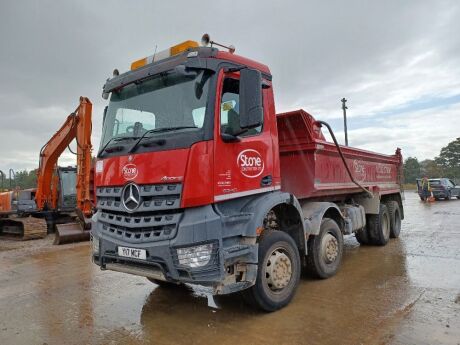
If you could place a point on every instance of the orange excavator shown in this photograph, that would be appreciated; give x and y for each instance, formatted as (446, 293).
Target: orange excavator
(63, 199)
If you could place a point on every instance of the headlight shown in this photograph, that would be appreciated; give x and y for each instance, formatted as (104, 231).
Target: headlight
(197, 256)
(95, 244)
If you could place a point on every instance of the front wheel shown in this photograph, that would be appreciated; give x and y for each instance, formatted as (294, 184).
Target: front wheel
(325, 250)
(278, 272)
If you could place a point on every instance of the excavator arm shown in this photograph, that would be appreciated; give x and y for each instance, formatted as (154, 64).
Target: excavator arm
(77, 126)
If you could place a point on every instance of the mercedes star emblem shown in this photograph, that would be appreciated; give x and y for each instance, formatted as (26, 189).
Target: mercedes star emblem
(131, 197)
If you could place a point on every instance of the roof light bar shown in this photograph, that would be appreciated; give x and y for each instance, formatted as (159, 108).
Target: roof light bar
(174, 50)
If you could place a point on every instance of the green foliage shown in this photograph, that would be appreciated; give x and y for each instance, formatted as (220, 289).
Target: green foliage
(447, 164)
(411, 169)
(22, 179)
(449, 159)
(431, 168)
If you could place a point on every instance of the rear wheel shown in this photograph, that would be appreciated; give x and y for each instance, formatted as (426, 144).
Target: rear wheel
(378, 226)
(395, 218)
(449, 195)
(325, 250)
(278, 272)
(362, 236)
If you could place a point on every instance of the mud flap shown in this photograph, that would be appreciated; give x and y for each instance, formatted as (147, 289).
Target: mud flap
(70, 232)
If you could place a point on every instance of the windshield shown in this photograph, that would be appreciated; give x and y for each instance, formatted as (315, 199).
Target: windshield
(68, 182)
(168, 100)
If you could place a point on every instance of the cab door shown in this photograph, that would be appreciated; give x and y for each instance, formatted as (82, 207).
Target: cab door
(243, 157)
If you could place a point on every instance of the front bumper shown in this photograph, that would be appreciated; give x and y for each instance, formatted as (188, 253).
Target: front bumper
(232, 265)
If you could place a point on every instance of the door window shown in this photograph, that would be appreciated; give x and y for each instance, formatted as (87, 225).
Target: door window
(230, 110)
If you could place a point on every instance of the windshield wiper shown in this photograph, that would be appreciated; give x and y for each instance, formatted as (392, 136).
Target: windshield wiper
(114, 139)
(157, 130)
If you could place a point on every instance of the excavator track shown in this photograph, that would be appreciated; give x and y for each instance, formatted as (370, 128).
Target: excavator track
(23, 228)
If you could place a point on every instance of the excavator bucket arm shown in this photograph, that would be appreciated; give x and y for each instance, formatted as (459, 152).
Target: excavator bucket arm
(77, 126)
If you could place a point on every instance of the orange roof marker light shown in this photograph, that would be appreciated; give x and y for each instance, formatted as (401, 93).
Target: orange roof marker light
(174, 50)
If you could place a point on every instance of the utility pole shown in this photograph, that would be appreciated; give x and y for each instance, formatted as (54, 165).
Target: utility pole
(344, 108)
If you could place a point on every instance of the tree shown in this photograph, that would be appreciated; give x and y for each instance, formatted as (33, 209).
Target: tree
(411, 169)
(431, 168)
(449, 159)
(23, 179)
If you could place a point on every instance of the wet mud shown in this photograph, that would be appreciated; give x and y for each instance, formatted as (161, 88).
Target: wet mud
(407, 292)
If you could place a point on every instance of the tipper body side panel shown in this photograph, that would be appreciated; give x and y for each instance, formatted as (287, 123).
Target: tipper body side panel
(312, 167)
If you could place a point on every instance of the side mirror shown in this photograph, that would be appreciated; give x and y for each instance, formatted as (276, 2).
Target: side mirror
(251, 109)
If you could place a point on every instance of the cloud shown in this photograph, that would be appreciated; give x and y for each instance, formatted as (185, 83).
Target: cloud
(382, 56)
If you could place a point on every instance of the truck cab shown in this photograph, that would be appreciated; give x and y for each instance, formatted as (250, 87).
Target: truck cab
(188, 181)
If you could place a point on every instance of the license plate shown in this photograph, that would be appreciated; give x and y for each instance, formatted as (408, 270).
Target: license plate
(132, 253)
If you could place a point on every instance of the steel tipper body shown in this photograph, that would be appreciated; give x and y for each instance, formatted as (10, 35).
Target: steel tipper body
(198, 181)
(311, 167)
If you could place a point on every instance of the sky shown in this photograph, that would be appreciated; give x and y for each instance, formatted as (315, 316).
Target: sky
(396, 62)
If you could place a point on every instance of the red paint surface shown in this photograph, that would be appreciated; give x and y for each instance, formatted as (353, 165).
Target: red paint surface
(152, 167)
(291, 149)
(312, 167)
(234, 169)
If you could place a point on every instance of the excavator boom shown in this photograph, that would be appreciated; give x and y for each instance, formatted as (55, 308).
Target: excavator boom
(32, 222)
(77, 126)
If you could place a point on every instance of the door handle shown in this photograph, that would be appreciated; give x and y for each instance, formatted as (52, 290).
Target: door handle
(266, 181)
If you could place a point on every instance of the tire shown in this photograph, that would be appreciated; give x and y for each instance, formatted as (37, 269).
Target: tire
(320, 262)
(274, 289)
(395, 218)
(378, 226)
(362, 236)
(449, 196)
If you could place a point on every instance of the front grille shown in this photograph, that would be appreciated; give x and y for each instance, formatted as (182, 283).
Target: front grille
(156, 218)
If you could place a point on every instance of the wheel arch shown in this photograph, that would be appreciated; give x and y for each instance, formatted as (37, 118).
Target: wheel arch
(287, 211)
(315, 212)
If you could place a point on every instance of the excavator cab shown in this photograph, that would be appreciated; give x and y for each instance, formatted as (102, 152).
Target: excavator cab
(63, 197)
(67, 200)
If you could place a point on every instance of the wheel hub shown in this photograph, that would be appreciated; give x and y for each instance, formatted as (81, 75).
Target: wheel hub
(278, 270)
(329, 248)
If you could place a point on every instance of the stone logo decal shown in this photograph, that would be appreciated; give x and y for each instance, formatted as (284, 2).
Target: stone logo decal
(359, 170)
(250, 163)
(129, 171)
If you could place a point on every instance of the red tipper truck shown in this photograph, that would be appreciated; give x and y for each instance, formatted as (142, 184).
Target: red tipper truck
(199, 181)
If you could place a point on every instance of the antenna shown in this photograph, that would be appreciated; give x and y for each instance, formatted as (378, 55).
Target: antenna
(156, 46)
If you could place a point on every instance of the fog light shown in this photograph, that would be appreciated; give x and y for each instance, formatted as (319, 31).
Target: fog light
(95, 244)
(197, 256)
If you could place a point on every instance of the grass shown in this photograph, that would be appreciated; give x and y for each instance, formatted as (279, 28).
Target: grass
(410, 186)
